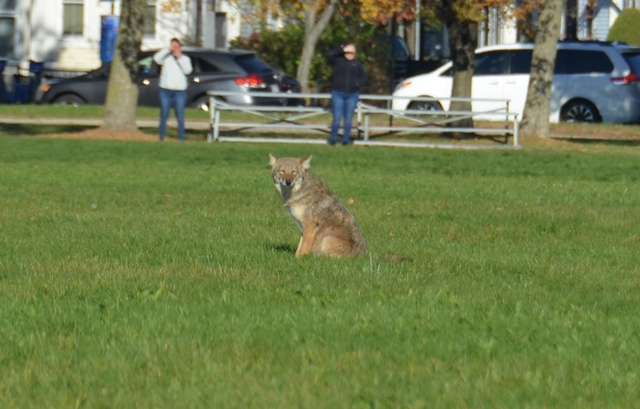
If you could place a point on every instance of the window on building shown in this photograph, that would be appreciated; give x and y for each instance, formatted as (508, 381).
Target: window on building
(73, 17)
(150, 19)
(221, 30)
(7, 5)
(7, 28)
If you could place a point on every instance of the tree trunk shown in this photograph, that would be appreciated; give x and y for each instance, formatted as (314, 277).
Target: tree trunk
(313, 30)
(122, 92)
(463, 40)
(535, 119)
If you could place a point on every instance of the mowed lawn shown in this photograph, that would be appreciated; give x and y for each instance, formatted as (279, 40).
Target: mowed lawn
(148, 275)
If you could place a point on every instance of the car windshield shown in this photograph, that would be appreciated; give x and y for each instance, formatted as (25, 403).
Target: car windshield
(633, 59)
(252, 64)
(102, 72)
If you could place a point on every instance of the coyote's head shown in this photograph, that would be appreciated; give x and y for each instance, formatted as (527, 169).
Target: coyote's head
(288, 173)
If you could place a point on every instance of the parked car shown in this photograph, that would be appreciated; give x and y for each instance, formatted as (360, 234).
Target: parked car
(593, 82)
(222, 70)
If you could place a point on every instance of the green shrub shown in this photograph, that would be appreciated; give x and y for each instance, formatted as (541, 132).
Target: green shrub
(625, 28)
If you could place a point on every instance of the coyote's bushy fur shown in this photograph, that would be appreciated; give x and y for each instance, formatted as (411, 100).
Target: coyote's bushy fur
(327, 226)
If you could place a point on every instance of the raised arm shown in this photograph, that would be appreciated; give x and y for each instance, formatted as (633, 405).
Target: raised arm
(161, 55)
(334, 54)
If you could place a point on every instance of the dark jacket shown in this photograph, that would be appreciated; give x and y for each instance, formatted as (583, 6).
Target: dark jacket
(348, 76)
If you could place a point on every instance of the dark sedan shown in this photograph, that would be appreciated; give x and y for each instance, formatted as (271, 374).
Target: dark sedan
(220, 70)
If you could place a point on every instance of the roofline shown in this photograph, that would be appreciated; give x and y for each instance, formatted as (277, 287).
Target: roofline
(561, 45)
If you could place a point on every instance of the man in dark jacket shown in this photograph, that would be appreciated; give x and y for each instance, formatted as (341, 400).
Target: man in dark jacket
(348, 77)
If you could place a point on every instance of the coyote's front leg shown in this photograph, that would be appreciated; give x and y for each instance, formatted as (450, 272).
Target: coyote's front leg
(309, 233)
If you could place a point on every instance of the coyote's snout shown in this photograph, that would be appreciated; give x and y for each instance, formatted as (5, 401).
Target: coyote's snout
(327, 226)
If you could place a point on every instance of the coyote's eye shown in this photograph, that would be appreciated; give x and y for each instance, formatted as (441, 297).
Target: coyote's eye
(281, 172)
(295, 172)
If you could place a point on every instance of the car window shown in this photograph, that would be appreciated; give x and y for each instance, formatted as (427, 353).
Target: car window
(520, 62)
(447, 73)
(491, 63)
(147, 66)
(252, 64)
(633, 59)
(100, 73)
(205, 67)
(401, 49)
(582, 62)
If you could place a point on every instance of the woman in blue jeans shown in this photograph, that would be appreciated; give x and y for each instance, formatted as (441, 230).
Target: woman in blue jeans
(348, 77)
(173, 85)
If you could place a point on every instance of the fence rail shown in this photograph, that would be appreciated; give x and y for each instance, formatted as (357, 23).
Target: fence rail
(290, 118)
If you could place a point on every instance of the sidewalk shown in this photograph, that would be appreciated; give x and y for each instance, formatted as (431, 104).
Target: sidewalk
(196, 125)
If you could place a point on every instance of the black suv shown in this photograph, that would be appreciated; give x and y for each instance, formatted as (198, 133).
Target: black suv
(219, 70)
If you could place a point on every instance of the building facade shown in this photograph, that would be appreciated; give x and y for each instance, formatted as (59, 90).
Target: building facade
(67, 34)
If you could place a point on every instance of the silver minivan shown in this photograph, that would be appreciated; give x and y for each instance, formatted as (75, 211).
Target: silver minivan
(593, 82)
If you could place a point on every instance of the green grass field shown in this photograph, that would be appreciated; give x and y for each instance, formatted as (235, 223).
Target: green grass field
(140, 275)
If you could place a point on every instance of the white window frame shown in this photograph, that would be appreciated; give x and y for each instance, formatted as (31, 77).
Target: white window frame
(11, 14)
(155, 20)
(84, 9)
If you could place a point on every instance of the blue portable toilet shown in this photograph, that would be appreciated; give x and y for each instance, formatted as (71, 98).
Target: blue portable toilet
(108, 38)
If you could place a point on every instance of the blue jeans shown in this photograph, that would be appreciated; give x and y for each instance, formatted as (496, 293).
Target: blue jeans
(177, 100)
(343, 104)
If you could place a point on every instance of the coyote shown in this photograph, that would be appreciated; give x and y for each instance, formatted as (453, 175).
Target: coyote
(327, 226)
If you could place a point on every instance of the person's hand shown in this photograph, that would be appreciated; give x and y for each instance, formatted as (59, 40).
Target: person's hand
(349, 51)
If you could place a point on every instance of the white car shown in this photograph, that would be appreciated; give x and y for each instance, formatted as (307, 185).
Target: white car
(593, 82)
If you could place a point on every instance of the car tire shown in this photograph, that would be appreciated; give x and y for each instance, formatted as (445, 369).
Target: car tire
(580, 111)
(202, 102)
(69, 99)
(425, 106)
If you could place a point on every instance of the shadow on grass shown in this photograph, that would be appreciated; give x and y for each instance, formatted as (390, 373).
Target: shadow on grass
(21, 129)
(444, 136)
(282, 248)
(611, 142)
(40, 130)
(172, 133)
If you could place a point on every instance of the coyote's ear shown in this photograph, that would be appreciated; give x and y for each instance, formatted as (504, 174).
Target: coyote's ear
(272, 160)
(306, 162)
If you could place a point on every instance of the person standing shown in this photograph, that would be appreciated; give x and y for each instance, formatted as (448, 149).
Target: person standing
(175, 67)
(348, 78)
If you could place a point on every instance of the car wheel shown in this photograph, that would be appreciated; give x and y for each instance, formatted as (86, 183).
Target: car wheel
(425, 106)
(69, 99)
(580, 111)
(202, 102)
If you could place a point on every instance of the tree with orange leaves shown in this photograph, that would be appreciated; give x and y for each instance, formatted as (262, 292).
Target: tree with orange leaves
(382, 11)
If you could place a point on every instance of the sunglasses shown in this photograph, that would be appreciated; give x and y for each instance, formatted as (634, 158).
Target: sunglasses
(349, 52)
